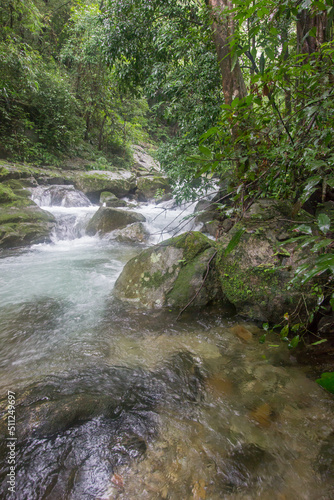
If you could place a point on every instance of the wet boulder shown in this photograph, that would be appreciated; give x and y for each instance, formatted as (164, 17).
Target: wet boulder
(173, 273)
(59, 195)
(152, 185)
(107, 219)
(134, 233)
(24, 223)
(94, 182)
(108, 199)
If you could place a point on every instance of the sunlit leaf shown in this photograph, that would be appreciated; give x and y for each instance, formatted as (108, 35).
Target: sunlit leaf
(324, 222)
(327, 381)
(294, 342)
(319, 342)
(234, 241)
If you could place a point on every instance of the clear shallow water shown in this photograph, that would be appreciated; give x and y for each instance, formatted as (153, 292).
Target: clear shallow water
(120, 403)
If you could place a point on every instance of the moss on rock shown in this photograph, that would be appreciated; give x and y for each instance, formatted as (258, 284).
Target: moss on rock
(170, 274)
(256, 279)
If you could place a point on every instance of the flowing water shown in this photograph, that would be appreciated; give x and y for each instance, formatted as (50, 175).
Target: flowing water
(118, 403)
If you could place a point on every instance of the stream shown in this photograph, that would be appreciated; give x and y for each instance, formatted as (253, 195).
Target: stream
(112, 402)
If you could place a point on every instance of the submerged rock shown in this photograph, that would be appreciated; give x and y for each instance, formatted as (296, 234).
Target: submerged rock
(171, 274)
(108, 219)
(75, 430)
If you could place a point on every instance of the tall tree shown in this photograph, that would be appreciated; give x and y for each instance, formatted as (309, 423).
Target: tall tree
(223, 27)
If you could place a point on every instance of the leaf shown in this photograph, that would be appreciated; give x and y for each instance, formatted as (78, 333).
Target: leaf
(319, 342)
(235, 102)
(332, 303)
(262, 339)
(204, 150)
(324, 223)
(270, 53)
(234, 241)
(284, 332)
(321, 244)
(304, 229)
(209, 133)
(294, 342)
(310, 187)
(327, 381)
(262, 64)
(234, 61)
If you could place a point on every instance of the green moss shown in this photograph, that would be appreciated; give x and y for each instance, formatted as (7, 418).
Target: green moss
(154, 280)
(193, 243)
(6, 194)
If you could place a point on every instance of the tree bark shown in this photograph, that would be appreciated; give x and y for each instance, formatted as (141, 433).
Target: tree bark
(307, 44)
(223, 29)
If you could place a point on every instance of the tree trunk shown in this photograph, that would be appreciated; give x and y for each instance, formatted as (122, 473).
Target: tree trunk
(307, 44)
(101, 132)
(223, 29)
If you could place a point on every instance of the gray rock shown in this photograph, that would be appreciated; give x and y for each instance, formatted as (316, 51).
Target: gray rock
(171, 274)
(149, 186)
(108, 219)
(134, 233)
(94, 182)
(143, 161)
(110, 200)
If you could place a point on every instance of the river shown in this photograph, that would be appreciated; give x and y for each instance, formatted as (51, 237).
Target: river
(117, 403)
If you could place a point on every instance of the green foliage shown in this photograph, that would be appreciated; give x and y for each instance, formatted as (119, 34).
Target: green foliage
(57, 95)
(327, 381)
(165, 48)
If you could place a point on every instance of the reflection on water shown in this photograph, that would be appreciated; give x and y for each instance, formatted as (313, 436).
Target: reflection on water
(114, 403)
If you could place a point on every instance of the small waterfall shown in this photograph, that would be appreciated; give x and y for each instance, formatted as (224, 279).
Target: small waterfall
(71, 222)
(71, 208)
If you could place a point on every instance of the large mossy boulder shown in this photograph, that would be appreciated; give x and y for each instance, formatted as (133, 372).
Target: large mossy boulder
(94, 182)
(151, 185)
(24, 223)
(256, 275)
(107, 219)
(171, 274)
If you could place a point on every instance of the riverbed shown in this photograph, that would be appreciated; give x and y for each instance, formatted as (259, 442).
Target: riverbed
(118, 403)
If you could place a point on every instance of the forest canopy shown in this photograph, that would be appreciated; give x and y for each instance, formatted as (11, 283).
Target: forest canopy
(240, 89)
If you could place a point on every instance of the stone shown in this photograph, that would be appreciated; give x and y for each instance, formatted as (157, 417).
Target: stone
(134, 233)
(24, 223)
(110, 200)
(261, 415)
(94, 182)
(143, 161)
(255, 276)
(149, 186)
(108, 219)
(171, 274)
(59, 195)
(242, 332)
